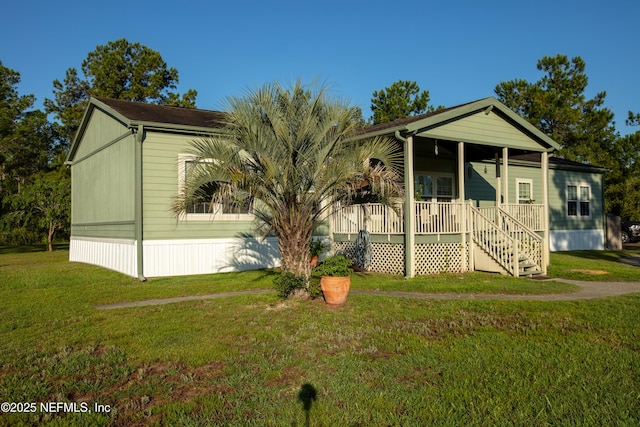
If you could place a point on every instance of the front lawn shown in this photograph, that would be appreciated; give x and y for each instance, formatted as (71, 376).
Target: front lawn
(256, 360)
(595, 265)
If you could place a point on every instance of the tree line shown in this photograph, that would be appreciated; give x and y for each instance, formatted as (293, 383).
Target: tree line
(35, 183)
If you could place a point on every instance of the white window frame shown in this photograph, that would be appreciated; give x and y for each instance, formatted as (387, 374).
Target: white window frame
(579, 200)
(217, 214)
(523, 200)
(433, 197)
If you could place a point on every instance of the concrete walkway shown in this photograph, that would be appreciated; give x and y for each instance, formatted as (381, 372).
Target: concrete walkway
(588, 290)
(180, 299)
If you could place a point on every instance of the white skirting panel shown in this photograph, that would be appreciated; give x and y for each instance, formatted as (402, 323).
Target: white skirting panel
(571, 240)
(205, 256)
(114, 254)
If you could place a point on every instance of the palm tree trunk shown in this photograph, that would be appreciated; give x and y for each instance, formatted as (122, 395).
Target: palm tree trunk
(294, 242)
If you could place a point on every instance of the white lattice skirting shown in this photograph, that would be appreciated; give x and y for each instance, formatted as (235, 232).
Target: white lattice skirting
(431, 258)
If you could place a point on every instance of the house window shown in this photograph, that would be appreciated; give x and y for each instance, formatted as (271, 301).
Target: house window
(578, 200)
(424, 186)
(434, 187)
(206, 207)
(525, 191)
(444, 188)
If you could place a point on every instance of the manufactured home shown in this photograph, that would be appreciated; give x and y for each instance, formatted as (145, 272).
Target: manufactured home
(483, 192)
(128, 162)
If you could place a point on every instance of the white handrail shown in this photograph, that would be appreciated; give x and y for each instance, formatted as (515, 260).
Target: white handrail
(498, 244)
(530, 215)
(529, 243)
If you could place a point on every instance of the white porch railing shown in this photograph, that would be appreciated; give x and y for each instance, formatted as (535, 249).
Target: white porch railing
(430, 217)
(528, 214)
(438, 218)
(373, 217)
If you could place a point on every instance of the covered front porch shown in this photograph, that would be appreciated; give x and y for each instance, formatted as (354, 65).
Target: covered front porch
(447, 237)
(466, 212)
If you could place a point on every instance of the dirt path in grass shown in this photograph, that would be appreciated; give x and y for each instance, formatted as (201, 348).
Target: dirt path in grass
(588, 290)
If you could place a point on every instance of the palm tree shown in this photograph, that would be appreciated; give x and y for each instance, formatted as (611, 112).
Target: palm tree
(288, 150)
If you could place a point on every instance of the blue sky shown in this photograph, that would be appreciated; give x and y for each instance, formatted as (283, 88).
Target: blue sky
(457, 50)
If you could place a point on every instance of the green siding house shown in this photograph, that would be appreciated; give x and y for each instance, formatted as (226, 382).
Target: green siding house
(128, 162)
(484, 194)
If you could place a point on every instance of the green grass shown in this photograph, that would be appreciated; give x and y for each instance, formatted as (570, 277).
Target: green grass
(252, 359)
(474, 283)
(594, 265)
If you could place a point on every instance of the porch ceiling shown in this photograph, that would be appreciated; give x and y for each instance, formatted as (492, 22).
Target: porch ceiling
(425, 147)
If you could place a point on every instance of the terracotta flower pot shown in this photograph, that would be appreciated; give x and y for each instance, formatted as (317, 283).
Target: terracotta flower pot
(335, 289)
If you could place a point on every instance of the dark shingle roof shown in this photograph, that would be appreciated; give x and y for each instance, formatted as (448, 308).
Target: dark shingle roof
(137, 112)
(559, 161)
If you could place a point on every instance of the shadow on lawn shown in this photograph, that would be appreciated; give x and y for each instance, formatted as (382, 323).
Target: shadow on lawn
(613, 256)
(31, 248)
(307, 396)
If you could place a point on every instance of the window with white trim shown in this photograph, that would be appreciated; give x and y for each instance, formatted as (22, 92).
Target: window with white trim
(524, 188)
(206, 207)
(578, 200)
(434, 187)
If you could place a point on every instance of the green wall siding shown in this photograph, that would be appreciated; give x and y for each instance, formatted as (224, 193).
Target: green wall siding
(102, 181)
(116, 230)
(481, 188)
(101, 129)
(489, 129)
(481, 185)
(526, 173)
(558, 219)
(160, 186)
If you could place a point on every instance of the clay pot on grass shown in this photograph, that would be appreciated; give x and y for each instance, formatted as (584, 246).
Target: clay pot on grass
(335, 279)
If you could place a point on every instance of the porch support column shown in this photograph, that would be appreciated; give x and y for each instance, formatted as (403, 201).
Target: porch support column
(545, 210)
(505, 174)
(409, 210)
(498, 181)
(463, 205)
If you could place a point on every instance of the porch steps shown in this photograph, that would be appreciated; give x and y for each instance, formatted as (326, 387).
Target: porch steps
(497, 246)
(528, 268)
(484, 261)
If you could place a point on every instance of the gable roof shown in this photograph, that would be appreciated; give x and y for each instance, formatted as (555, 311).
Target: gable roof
(160, 117)
(430, 124)
(135, 113)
